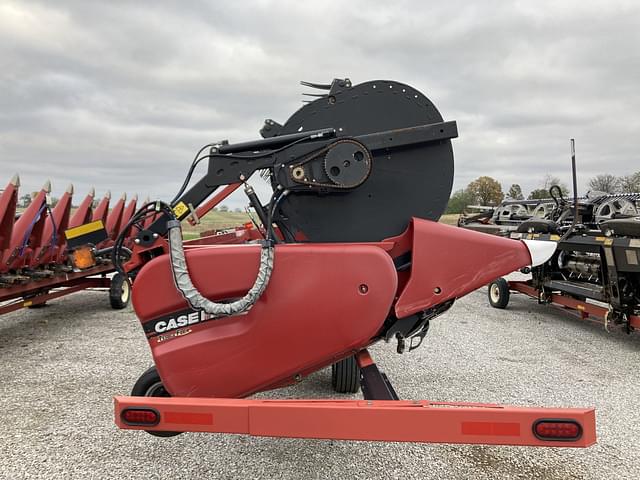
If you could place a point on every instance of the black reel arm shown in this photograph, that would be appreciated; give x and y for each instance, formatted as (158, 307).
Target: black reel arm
(314, 161)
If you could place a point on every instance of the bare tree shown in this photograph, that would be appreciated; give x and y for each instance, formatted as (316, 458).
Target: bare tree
(605, 182)
(629, 183)
(548, 181)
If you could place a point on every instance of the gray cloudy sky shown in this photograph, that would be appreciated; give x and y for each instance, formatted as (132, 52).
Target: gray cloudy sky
(120, 95)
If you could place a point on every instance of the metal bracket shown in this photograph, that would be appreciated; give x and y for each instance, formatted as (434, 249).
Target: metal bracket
(374, 383)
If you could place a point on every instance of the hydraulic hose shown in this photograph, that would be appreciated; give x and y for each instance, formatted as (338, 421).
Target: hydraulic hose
(191, 294)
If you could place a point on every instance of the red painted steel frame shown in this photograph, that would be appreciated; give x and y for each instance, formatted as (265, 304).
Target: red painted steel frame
(450, 262)
(53, 252)
(438, 272)
(26, 235)
(8, 203)
(38, 291)
(83, 213)
(203, 209)
(102, 210)
(372, 420)
(586, 310)
(114, 219)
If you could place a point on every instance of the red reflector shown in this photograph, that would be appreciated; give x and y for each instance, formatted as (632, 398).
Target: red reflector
(140, 416)
(557, 430)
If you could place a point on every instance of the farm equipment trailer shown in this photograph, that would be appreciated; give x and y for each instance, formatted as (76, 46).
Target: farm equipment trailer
(595, 270)
(41, 258)
(348, 253)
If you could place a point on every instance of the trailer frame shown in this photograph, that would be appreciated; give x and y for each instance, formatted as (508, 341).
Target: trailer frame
(582, 309)
(38, 292)
(379, 416)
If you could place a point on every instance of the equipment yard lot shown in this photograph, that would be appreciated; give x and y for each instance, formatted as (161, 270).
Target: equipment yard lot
(61, 366)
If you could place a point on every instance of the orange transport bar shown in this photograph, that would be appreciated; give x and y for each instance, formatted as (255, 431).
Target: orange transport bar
(373, 420)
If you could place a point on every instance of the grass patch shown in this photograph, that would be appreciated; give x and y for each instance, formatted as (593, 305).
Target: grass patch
(214, 221)
(450, 219)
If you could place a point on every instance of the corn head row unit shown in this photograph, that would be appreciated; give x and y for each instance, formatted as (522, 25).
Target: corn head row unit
(349, 253)
(50, 251)
(595, 270)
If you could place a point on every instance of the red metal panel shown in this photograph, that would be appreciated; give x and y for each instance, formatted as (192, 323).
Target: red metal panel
(126, 216)
(364, 358)
(8, 203)
(128, 212)
(52, 249)
(449, 262)
(312, 313)
(83, 214)
(27, 233)
(114, 219)
(377, 420)
(102, 210)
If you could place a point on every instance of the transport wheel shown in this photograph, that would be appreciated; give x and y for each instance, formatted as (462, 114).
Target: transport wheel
(150, 385)
(33, 295)
(39, 305)
(119, 292)
(345, 376)
(499, 293)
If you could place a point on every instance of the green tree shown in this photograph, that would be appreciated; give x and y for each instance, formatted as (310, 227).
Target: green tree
(486, 190)
(515, 192)
(539, 194)
(605, 182)
(459, 201)
(224, 208)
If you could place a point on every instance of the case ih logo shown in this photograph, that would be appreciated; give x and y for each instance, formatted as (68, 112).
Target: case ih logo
(173, 322)
(176, 320)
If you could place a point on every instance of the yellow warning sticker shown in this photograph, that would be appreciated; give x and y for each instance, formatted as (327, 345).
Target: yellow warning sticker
(180, 209)
(554, 238)
(84, 229)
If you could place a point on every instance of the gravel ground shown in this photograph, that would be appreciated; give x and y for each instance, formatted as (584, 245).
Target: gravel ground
(61, 365)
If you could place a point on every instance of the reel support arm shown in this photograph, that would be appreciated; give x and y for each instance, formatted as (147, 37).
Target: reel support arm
(230, 170)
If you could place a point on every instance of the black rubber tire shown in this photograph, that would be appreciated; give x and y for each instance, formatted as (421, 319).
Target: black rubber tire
(345, 376)
(498, 293)
(33, 295)
(39, 305)
(150, 385)
(119, 292)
